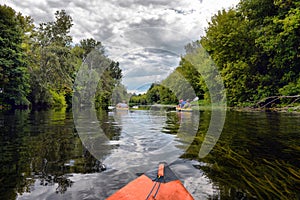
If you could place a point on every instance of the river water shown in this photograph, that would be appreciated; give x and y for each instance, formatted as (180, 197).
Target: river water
(45, 155)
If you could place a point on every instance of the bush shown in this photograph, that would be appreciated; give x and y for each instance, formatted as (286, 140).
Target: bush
(58, 99)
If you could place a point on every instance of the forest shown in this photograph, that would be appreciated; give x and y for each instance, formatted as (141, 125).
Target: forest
(254, 47)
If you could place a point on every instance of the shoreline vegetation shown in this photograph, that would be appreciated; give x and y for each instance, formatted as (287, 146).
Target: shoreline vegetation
(250, 52)
(204, 107)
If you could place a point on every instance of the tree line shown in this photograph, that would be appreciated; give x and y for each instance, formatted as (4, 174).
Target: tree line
(38, 64)
(255, 49)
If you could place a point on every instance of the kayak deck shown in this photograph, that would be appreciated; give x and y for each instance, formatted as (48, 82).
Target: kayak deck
(159, 185)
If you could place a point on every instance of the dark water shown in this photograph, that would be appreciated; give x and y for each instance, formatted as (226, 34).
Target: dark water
(42, 155)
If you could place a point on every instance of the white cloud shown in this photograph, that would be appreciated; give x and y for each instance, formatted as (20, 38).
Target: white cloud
(128, 27)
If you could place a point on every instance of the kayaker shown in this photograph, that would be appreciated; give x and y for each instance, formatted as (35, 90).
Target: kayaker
(182, 103)
(187, 104)
(179, 104)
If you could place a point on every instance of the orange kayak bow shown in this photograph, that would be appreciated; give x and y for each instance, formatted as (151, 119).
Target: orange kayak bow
(161, 184)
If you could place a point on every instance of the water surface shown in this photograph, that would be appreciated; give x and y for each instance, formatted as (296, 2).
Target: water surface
(43, 156)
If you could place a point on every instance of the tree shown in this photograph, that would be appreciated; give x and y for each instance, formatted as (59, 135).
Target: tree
(90, 44)
(209, 83)
(53, 77)
(119, 94)
(280, 40)
(14, 77)
(158, 93)
(56, 32)
(96, 80)
(109, 80)
(140, 99)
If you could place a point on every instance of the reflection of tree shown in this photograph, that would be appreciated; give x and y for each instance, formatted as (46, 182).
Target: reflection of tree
(13, 160)
(247, 162)
(40, 145)
(48, 178)
(183, 125)
(172, 124)
(107, 124)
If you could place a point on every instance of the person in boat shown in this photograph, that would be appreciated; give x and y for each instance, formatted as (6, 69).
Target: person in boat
(187, 104)
(182, 103)
(179, 104)
(122, 105)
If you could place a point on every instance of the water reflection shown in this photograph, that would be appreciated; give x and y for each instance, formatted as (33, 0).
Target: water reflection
(148, 137)
(42, 157)
(40, 146)
(255, 156)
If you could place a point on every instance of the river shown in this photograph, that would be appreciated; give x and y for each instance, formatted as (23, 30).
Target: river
(45, 155)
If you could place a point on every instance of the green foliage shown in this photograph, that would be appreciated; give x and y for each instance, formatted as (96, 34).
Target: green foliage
(53, 63)
(256, 48)
(56, 32)
(110, 78)
(14, 77)
(119, 94)
(209, 80)
(96, 80)
(157, 93)
(140, 99)
(257, 10)
(160, 94)
(190, 73)
(179, 85)
(90, 44)
(293, 88)
(43, 60)
(58, 99)
(153, 95)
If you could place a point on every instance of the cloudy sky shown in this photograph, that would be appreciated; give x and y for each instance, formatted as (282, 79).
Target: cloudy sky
(147, 37)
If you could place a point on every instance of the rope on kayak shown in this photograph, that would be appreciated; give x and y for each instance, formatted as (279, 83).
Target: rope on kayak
(157, 190)
(157, 180)
(160, 178)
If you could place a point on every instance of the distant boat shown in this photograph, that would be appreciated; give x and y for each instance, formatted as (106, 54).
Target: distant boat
(161, 184)
(120, 109)
(122, 106)
(178, 109)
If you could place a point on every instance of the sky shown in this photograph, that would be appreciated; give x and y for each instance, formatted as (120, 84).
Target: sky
(147, 37)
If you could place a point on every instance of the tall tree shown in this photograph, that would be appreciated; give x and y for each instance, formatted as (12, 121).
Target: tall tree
(56, 32)
(96, 80)
(55, 73)
(14, 77)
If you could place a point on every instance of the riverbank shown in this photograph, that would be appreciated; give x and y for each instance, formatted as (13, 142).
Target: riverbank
(290, 109)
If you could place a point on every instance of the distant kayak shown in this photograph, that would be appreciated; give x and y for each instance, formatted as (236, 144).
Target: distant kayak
(161, 184)
(122, 106)
(178, 109)
(121, 109)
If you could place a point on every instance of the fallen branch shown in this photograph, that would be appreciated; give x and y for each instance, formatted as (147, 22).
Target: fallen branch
(275, 98)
